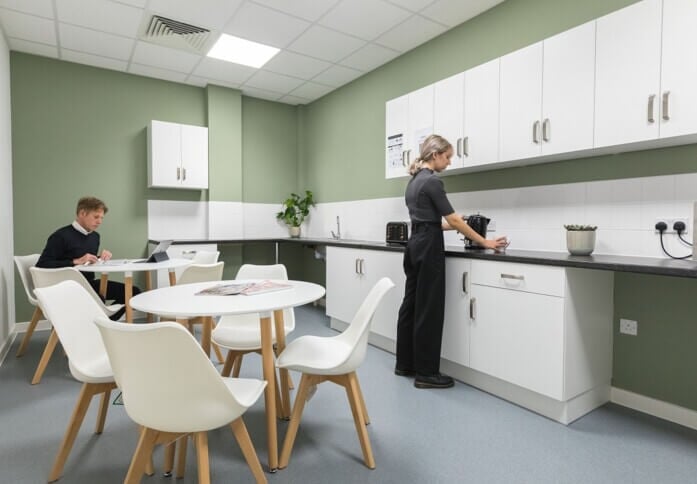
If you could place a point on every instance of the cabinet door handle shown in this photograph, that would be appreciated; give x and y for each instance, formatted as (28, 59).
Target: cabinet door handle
(666, 114)
(535, 134)
(355, 267)
(183, 173)
(459, 147)
(361, 266)
(512, 276)
(473, 308)
(464, 282)
(546, 130)
(466, 146)
(179, 171)
(404, 153)
(649, 113)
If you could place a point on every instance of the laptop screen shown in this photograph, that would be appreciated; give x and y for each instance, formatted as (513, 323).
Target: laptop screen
(162, 246)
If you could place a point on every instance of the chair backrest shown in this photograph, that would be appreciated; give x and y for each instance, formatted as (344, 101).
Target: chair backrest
(72, 311)
(23, 263)
(48, 277)
(201, 273)
(206, 257)
(168, 383)
(356, 335)
(272, 271)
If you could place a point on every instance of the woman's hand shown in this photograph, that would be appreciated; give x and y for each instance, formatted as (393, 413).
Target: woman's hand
(496, 244)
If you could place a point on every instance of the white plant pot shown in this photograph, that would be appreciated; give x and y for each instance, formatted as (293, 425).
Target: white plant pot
(580, 242)
(294, 231)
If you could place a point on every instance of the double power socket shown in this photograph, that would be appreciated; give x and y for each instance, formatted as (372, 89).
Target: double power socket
(670, 222)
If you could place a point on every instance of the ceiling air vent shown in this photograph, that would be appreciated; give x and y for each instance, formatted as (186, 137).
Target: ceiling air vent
(178, 35)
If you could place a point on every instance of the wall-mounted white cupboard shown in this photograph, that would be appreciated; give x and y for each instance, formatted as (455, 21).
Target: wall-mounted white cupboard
(177, 156)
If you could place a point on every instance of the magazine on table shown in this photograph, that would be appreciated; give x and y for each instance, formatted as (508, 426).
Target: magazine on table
(246, 289)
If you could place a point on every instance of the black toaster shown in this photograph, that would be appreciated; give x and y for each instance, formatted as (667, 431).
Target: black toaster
(397, 233)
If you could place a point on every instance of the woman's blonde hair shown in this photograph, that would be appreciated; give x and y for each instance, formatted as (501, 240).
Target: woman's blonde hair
(431, 146)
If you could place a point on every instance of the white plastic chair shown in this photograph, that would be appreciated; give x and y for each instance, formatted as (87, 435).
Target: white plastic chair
(334, 359)
(171, 389)
(206, 257)
(23, 263)
(72, 311)
(48, 277)
(240, 334)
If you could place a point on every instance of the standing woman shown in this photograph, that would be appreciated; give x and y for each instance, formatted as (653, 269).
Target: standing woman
(420, 324)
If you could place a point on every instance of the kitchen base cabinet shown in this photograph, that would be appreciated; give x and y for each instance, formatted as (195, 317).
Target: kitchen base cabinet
(456, 323)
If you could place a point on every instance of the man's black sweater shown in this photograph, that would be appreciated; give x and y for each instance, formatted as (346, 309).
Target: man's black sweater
(66, 244)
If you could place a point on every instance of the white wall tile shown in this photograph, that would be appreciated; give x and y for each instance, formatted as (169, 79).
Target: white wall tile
(226, 220)
(169, 219)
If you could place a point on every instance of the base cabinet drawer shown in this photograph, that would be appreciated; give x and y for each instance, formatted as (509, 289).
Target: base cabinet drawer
(519, 277)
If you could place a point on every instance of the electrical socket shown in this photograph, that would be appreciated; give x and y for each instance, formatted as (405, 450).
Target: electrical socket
(669, 223)
(629, 326)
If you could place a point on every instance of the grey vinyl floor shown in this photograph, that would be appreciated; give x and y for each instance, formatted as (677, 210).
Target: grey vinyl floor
(418, 436)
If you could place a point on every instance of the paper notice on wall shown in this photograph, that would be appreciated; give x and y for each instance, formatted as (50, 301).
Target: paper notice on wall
(421, 134)
(394, 150)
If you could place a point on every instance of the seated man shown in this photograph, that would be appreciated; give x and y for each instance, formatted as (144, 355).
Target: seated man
(78, 244)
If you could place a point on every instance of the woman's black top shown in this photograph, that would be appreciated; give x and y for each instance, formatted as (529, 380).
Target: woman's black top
(426, 199)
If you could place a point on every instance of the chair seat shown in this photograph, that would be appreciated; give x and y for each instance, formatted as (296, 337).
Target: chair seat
(315, 355)
(95, 371)
(246, 390)
(240, 333)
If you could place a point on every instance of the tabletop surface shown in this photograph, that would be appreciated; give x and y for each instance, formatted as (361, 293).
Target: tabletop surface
(182, 300)
(134, 266)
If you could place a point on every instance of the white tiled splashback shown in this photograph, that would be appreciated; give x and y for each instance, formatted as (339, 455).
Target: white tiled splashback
(624, 210)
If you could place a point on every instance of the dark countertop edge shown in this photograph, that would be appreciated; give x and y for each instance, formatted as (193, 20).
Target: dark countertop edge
(617, 263)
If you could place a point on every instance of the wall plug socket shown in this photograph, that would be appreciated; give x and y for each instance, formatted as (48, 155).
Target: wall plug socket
(629, 326)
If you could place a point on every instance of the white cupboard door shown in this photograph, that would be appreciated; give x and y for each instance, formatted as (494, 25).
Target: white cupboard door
(378, 264)
(448, 102)
(487, 331)
(396, 127)
(420, 120)
(456, 324)
(678, 96)
(165, 154)
(481, 114)
(521, 103)
(568, 90)
(344, 283)
(194, 153)
(628, 59)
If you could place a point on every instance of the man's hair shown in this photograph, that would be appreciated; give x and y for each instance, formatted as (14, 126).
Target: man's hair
(90, 204)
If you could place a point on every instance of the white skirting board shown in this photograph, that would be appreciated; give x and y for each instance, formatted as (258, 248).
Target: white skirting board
(657, 408)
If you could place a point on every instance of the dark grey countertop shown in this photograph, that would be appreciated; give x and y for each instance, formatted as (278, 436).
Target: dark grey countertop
(618, 263)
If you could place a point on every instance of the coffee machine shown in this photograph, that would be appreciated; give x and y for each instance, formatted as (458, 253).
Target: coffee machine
(478, 223)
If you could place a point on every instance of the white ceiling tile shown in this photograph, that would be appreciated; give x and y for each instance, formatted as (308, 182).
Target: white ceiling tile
(261, 93)
(311, 90)
(369, 57)
(211, 14)
(271, 81)
(203, 82)
(134, 3)
(288, 99)
(325, 44)
(198, 81)
(410, 34)
(261, 24)
(33, 47)
(93, 60)
(307, 9)
(223, 71)
(164, 57)
(149, 71)
(43, 8)
(296, 65)
(366, 19)
(115, 18)
(337, 76)
(28, 27)
(93, 42)
(454, 12)
(413, 5)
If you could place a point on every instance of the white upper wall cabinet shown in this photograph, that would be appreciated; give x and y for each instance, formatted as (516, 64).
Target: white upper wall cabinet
(628, 74)
(420, 120)
(177, 156)
(448, 114)
(480, 144)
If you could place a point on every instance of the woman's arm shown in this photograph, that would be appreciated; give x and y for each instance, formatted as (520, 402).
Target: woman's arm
(454, 221)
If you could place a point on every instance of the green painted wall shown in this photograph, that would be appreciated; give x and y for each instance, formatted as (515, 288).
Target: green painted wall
(224, 144)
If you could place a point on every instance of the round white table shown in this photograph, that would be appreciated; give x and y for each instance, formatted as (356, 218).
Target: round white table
(128, 269)
(182, 301)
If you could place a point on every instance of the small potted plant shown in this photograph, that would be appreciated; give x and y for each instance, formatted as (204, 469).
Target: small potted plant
(580, 239)
(295, 209)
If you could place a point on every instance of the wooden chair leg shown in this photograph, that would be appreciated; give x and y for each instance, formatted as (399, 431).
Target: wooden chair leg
(239, 429)
(229, 362)
(237, 365)
(103, 407)
(169, 459)
(364, 409)
(182, 445)
(36, 316)
(45, 357)
(305, 382)
(142, 455)
(352, 392)
(218, 353)
(204, 472)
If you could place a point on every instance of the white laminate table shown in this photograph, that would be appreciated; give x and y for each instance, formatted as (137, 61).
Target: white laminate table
(182, 302)
(128, 268)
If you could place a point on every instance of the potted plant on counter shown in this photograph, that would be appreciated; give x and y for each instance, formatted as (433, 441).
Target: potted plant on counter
(580, 239)
(295, 209)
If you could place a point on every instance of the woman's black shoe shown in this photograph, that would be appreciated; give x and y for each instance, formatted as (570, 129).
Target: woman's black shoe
(433, 381)
(400, 372)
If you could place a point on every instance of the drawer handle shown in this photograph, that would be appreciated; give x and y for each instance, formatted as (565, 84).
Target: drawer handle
(473, 308)
(512, 276)
(464, 282)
